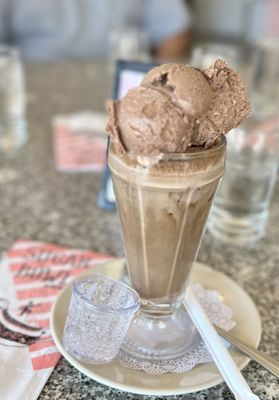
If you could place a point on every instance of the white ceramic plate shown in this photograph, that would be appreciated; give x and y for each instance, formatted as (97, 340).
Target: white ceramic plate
(202, 376)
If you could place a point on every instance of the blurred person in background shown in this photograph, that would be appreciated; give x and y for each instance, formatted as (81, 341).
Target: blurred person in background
(52, 30)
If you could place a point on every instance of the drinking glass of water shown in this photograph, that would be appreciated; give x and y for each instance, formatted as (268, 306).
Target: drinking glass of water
(241, 207)
(12, 101)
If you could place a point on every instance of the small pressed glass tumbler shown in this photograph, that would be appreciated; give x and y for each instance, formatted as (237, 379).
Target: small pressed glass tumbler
(99, 315)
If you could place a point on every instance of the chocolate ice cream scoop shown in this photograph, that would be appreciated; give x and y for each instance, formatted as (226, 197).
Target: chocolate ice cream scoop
(229, 107)
(146, 121)
(187, 87)
(177, 107)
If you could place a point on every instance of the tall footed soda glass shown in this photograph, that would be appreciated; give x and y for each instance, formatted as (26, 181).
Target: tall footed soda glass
(163, 203)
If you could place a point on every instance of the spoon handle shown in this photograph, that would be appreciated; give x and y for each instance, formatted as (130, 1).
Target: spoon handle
(269, 363)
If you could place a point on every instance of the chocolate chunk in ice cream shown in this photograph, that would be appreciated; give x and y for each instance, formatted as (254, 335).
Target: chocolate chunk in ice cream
(177, 107)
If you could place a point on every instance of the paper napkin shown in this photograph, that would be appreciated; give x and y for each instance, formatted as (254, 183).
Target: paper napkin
(32, 274)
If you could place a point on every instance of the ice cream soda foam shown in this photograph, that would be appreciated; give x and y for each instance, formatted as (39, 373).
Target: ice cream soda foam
(166, 156)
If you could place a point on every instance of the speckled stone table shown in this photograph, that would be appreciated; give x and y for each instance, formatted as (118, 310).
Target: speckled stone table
(42, 204)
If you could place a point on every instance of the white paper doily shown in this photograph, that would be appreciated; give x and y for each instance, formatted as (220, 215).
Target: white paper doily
(218, 313)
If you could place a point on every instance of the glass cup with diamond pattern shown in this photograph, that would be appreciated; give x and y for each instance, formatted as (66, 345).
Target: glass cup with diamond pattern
(99, 315)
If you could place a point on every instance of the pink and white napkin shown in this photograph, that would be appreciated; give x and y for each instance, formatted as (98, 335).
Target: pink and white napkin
(80, 142)
(272, 29)
(32, 274)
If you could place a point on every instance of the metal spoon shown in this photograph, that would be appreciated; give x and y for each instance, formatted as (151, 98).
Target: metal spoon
(267, 362)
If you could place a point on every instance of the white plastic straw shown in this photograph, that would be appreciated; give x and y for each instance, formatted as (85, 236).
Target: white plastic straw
(220, 354)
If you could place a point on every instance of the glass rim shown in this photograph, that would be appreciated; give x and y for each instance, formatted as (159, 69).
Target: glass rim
(192, 153)
(104, 308)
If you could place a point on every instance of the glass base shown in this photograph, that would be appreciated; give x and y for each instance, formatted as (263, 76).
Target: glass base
(237, 230)
(160, 337)
(13, 135)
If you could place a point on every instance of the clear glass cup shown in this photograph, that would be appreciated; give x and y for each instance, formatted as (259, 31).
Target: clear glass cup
(163, 203)
(241, 207)
(128, 43)
(99, 315)
(203, 56)
(13, 133)
(265, 90)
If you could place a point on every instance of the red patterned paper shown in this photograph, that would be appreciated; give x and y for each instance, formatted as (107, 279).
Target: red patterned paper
(79, 143)
(32, 276)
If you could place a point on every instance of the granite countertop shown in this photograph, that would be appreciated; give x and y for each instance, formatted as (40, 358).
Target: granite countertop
(42, 204)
